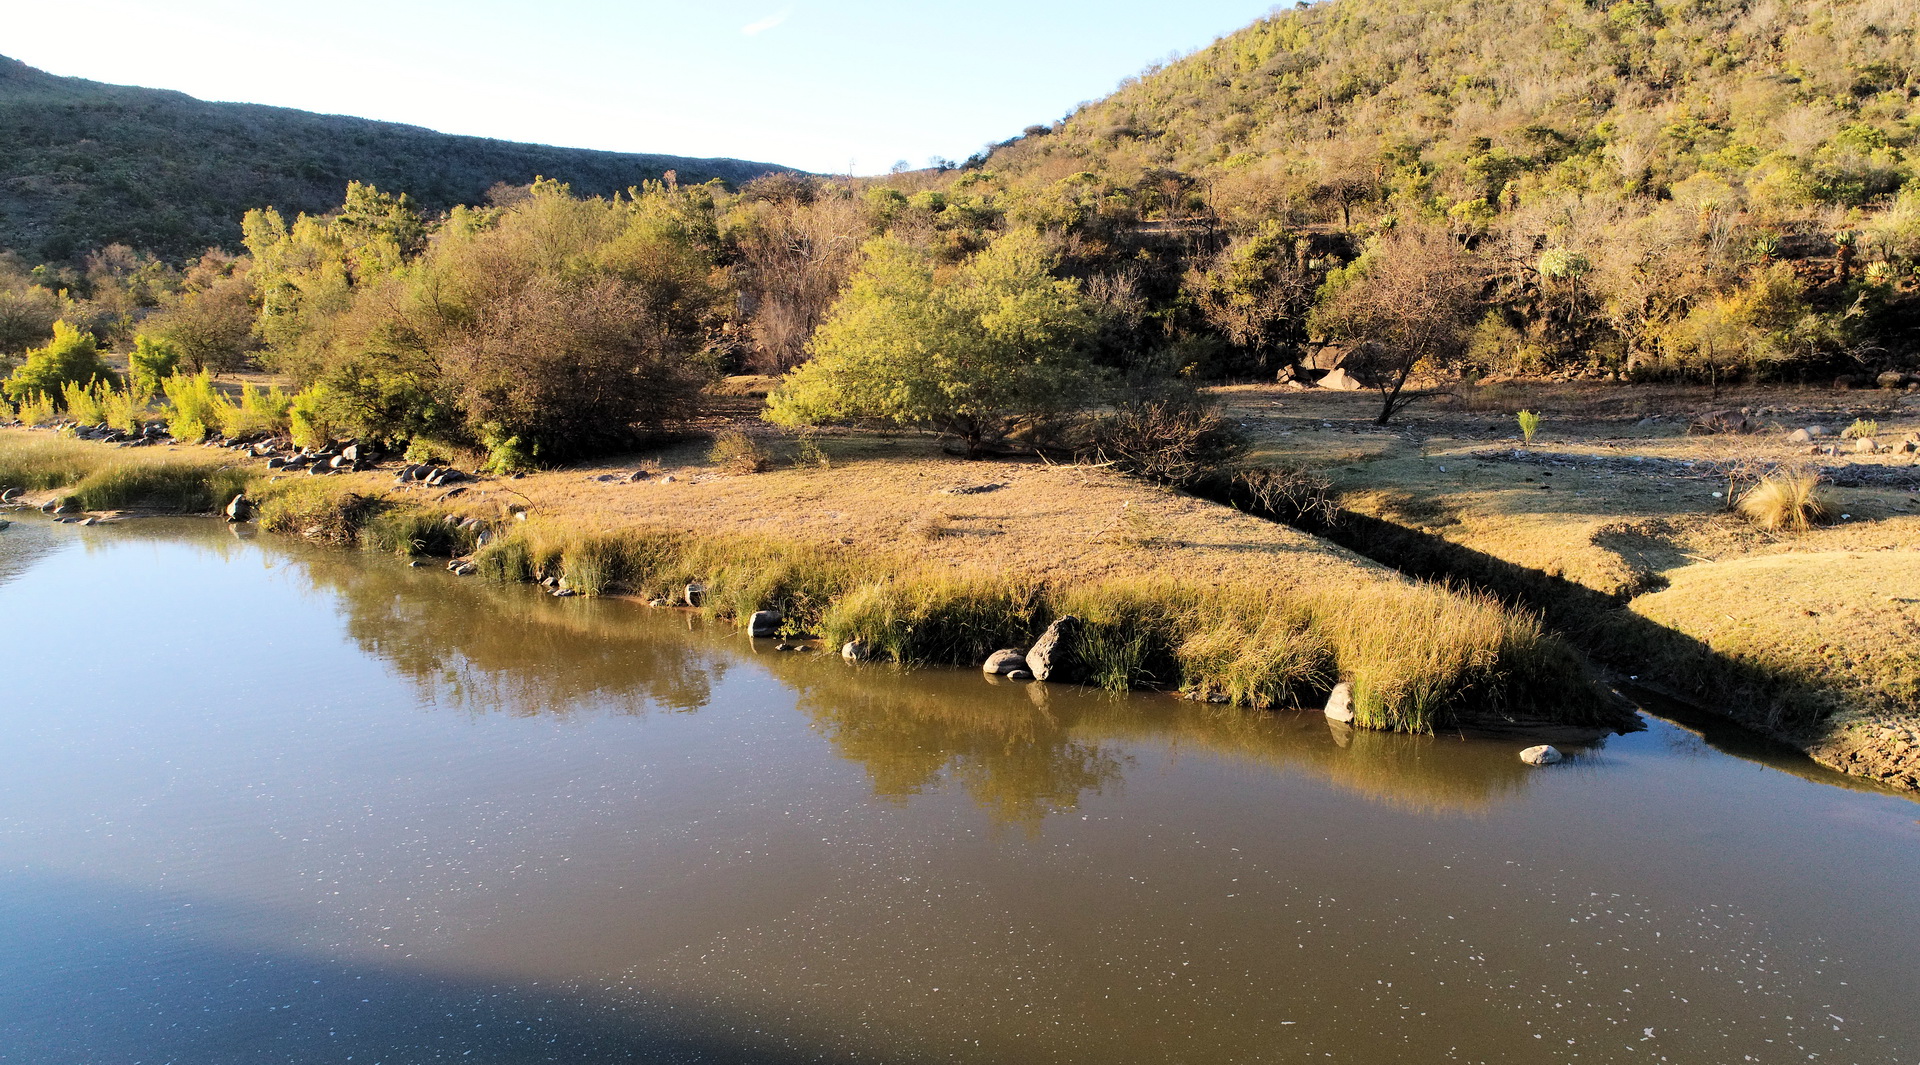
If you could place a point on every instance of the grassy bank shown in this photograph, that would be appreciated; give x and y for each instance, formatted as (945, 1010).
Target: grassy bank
(1210, 602)
(100, 478)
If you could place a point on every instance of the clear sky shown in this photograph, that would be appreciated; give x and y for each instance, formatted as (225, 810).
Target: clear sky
(826, 85)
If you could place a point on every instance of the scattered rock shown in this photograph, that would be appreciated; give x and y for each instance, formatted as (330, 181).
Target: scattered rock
(11, 494)
(764, 623)
(637, 476)
(1056, 655)
(1001, 663)
(239, 510)
(1799, 436)
(1341, 381)
(696, 593)
(1340, 703)
(1545, 754)
(1891, 379)
(461, 567)
(1816, 430)
(5, 524)
(855, 651)
(1866, 445)
(658, 602)
(972, 489)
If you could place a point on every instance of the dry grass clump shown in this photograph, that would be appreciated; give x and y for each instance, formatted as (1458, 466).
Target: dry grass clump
(102, 479)
(1793, 500)
(736, 452)
(38, 463)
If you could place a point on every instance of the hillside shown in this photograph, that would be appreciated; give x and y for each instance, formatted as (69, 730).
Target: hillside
(83, 165)
(1650, 186)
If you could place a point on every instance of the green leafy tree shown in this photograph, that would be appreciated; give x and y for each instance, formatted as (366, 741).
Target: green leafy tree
(152, 360)
(969, 353)
(70, 358)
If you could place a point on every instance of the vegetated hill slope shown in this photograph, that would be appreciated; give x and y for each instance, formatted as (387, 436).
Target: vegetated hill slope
(1450, 100)
(84, 164)
(1654, 187)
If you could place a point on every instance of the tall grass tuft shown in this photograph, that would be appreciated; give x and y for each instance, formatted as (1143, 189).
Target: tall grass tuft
(409, 531)
(39, 463)
(1529, 424)
(736, 452)
(937, 620)
(184, 487)
(1791, 499)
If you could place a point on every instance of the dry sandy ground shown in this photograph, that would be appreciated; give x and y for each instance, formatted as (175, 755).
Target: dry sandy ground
(1616, 494)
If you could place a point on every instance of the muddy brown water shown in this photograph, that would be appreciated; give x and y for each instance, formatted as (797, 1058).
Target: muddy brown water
(266, 803)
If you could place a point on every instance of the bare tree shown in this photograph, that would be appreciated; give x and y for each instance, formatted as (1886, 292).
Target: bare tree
(1411, 306)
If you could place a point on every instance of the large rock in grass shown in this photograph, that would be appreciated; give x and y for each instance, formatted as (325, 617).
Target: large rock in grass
(696, 593)
(1340, 703)
(764, 623)
(1056, 655)
(1545, 754)
(1001, 663)
(856, 651)
(1799, 436)
(1341, 381)
(241, 509)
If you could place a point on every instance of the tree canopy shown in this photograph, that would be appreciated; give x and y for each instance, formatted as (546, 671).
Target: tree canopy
(966, 351)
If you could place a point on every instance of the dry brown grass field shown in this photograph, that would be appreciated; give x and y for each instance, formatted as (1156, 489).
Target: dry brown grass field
(1623, 495)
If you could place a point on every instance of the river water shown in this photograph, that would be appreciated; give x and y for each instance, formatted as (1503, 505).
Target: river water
(261, 802)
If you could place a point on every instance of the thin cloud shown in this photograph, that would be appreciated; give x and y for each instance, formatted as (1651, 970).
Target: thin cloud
(754, 29)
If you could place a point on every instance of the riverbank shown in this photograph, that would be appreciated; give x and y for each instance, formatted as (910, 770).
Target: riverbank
(923, 558)
(1613, 524)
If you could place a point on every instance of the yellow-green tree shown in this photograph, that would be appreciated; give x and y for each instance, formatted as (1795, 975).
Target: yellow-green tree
(968, 352)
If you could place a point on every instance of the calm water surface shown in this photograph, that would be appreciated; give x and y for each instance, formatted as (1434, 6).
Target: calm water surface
(263, 803)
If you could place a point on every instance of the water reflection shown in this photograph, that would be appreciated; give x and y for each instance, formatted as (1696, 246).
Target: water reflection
(483, 647)
(1021, 751)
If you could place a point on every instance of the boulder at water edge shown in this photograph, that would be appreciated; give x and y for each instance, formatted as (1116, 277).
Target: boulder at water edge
(855, 651)
(1340, 703)
(764, 623)
(1544, 754)
(241, 509)
(1056, 655)
(1000, 663)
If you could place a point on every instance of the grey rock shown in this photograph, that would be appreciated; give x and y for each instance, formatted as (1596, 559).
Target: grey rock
(1001, 663)
(1340, 703)
(5, 524)
(1056, 655)
(696, 593)
(1545, 754)
(764, 623)
(240, 509)
(856, 651)
(1799, 436)
(11, 494)
(1866, 445)
(1816, 430)
(636, 476)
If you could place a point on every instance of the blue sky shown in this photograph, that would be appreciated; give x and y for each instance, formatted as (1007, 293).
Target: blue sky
(827, 86)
